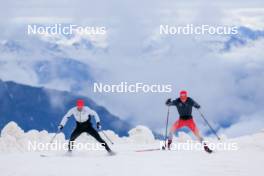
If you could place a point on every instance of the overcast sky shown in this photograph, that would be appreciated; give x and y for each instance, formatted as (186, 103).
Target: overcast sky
(228, 85)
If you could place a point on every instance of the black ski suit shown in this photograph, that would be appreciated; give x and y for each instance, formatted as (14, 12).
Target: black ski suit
(87, 128)
(184, 109)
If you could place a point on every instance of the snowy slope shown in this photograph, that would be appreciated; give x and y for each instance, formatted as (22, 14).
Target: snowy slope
(245, 162)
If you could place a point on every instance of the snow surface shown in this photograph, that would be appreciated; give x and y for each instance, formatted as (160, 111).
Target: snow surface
(15, 160)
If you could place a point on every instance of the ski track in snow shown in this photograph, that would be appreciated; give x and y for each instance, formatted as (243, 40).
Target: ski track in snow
(16, 161)
(127, 162)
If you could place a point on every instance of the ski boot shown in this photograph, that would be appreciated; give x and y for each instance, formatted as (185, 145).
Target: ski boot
(207, 149)
(109, 151)
(169, 144)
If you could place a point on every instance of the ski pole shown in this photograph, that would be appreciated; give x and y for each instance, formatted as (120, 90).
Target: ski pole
(209, 124)
(166, 130)
(107, 138)
(54, 136)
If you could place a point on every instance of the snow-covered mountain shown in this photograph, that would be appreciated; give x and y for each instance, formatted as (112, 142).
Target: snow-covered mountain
(54, 61)
(63, 69)
(47, 59)
(10, 46)
(42, 109)
(245, 36)
(55, 43)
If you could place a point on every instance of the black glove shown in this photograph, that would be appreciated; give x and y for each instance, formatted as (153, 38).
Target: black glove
(98, 125)
(168, 102)
(60, 127)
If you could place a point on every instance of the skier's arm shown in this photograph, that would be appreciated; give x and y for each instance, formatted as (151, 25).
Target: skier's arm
(170, 103)
(66, 117)
(95, 115)
(97, 119)
(195, 104)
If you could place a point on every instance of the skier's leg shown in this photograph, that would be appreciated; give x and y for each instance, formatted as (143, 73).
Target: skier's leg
(196, 132)
(173, 129)
(90, 130)
(76, 133)
(192, 126)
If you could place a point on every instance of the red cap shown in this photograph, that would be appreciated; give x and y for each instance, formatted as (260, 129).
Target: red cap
(80, 103)
(183, 93)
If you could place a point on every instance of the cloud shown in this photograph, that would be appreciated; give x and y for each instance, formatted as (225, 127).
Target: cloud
(227, 85)
(248, 124)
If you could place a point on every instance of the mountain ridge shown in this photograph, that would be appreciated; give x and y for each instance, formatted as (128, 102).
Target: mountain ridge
(42, 109)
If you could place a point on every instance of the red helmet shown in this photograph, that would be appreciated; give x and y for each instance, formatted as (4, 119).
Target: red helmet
(183, 93)
(80, 103)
